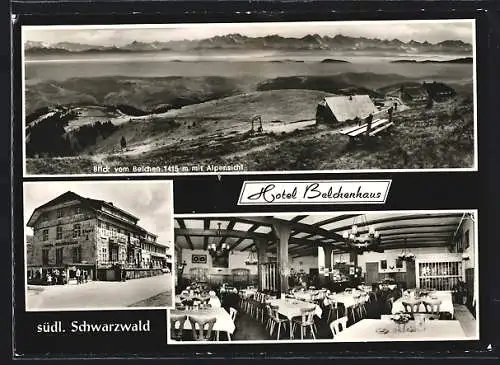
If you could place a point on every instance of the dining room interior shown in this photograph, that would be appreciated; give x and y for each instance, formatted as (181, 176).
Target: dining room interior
(337, 276)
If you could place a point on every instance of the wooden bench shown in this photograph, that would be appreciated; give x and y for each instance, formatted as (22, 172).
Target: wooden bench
(358, 131)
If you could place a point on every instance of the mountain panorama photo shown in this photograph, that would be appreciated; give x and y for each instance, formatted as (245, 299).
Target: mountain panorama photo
(201, 98)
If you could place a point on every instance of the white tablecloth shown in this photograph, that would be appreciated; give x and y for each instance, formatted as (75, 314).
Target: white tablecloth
(224, 322)
(248, 292)
(347, 299)
(180, 298)
(366, 331)
(305, 295)
(291, 308)
(444, 296)
(389, 286)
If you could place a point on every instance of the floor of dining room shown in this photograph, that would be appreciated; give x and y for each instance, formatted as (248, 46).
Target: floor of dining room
(249, 328)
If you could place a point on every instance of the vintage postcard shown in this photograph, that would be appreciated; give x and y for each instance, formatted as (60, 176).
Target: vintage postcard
(234, 98)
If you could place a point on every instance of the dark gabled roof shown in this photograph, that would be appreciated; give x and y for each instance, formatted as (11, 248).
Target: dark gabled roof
(415, 91)
(69, 195)
(438, 87)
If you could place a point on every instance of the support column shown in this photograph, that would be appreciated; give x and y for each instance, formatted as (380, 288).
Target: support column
(327, 250)
(354, 260)
(282, 231)
(261, 246)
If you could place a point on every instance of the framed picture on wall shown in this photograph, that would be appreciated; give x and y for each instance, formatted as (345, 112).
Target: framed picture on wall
(199, 259)
(399, 263)
(220, 261)
(383, 264)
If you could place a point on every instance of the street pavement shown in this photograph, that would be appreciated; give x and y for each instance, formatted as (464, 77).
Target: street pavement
(99, 294)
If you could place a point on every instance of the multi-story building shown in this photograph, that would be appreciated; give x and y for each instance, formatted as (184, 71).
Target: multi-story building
(97, 238)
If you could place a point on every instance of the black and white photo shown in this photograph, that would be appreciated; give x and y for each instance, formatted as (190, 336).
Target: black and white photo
(325, 277)
(235, 98)
(98, 245)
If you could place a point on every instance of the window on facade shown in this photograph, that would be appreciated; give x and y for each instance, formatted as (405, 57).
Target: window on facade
(78, 210)
(77, 254)
(45, 234)
(107, 226)
(59, 255)
(58, 233)
(59, 213)
(45, 256)
(76, 231)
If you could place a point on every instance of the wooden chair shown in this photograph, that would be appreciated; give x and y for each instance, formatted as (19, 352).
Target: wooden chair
(176, 331)
(305, 321)
(338, 325)
(276, 319)
(269, 321)
(411, 307)
(389, 304)
(362, 303)
(250, 304)
(432, 308)
(233, 313)
(332, 306)
(198, 327)
(355, 308)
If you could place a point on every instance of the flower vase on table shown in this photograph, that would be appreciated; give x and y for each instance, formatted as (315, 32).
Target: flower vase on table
(420, 321)
(400, 320)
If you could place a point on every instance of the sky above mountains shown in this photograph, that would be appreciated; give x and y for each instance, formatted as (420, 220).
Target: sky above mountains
(430, 31)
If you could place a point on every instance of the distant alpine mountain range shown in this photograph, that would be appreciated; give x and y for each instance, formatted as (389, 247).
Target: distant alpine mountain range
(275, 42)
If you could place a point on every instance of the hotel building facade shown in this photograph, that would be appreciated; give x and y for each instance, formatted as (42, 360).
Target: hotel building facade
(97, 238)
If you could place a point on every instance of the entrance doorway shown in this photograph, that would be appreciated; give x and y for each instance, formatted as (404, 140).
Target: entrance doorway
(371, 273)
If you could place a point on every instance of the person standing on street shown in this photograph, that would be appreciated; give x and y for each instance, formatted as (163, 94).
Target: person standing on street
(78, 276)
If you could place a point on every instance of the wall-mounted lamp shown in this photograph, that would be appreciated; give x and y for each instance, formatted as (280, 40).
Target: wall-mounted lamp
(180, 268)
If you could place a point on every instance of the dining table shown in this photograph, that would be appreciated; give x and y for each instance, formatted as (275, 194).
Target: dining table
(305, 295)
(444, 296)
(246, 293)
(195, 296)
(223, 323)
(381, 330)
(348, 299)
(291, 308)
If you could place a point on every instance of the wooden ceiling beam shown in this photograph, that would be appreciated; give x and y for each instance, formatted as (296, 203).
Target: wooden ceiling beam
(196, 232)
(408, 234)
(182, 224)
(294, 226)
(206, 225)
(416, 239)
(298, 218)
(230, 227)
(401, 218)
(251, 229)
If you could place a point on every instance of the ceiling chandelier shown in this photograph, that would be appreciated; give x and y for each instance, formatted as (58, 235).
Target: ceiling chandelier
(406, 254)
(218, 247)
(252, 258)
(358, 240)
